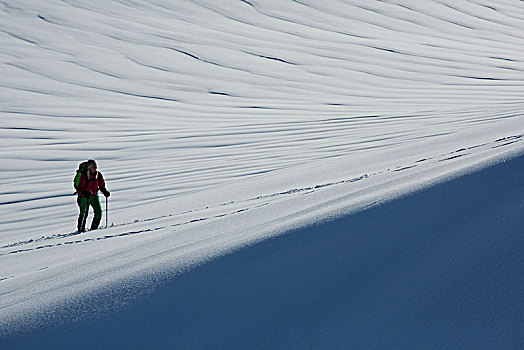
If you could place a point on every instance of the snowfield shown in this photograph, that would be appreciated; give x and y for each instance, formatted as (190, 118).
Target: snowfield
(221, 124)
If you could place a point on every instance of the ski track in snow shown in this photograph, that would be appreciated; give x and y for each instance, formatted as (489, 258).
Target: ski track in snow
(218, 124)
(296, 191)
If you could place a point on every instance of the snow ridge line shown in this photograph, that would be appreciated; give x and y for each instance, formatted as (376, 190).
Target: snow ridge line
(461, 152)
(123, 234)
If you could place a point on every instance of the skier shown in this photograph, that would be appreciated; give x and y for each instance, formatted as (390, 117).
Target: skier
(89, 183)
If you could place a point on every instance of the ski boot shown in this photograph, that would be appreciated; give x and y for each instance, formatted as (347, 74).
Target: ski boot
(95, 223)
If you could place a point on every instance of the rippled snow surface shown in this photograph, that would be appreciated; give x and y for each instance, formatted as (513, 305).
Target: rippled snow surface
(220, 123)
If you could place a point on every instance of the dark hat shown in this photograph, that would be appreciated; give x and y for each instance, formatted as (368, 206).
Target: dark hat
(91, 163)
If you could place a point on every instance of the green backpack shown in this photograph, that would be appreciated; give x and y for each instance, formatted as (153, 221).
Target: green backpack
(82, 169)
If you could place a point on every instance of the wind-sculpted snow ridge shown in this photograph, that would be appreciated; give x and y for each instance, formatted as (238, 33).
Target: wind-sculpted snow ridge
(250, 203)
(44, 274)
(221, 123)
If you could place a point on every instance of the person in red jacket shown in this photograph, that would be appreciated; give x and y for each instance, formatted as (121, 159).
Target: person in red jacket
(90, 182)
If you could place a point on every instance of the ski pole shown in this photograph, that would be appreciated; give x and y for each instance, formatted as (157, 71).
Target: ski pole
(107, 213)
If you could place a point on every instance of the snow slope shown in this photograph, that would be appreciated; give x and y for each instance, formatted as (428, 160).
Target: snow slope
(440, 269)
(218, 124)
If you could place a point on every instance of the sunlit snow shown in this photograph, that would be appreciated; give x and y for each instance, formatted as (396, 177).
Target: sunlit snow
(218, 124)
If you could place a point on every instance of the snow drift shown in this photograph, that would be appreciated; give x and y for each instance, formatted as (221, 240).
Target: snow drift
(221, 124)
(440, 269)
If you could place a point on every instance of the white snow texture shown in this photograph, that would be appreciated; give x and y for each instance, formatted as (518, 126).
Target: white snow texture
(220, 124)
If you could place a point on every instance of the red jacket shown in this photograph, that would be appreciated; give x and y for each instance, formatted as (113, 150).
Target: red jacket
(89, 187)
